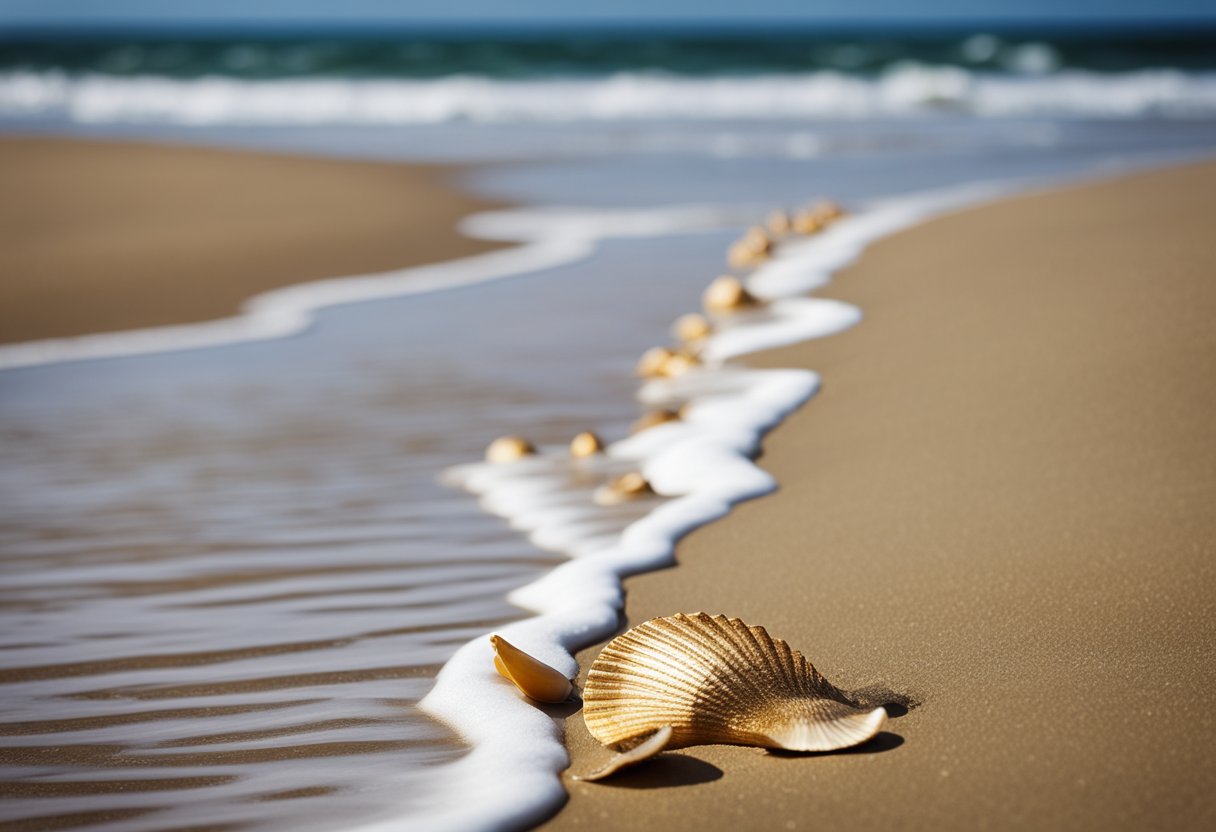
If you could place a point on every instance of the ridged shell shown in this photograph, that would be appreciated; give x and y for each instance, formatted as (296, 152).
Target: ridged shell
(779, 223)
(716, 680)
(661, 362)
(628, 486)
(691, 328)
(726, 294)
(509, 449)
(807, 222)
(829, 210)
(586, 444)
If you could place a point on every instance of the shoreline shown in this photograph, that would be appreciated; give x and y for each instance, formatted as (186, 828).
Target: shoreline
(105, 236)
(837, 512)
(996, 504)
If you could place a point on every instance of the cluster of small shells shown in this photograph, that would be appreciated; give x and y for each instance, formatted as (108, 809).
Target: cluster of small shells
(757, 243)
(694, 679)
(724, 296)
(752, 249)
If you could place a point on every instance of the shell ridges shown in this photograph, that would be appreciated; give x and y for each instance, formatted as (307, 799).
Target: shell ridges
(714, 679)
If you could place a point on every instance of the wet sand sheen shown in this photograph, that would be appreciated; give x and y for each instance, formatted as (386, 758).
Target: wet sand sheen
(208, 618)
(107, 236)
(1001, 502)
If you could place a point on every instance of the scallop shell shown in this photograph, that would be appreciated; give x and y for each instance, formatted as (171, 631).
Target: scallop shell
(661, 362)
(807, 222)
(716, 680)
(651, 364)
(779, 223)
(680, 363)
(758, 239)
(509, 449)
(691, 327)
(626, 487)
(743, 255)
(586, 444)
(726, 294)
(829, 210)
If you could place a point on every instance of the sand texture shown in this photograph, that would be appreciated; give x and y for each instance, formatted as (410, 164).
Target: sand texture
(103, 236)
(1002, 501)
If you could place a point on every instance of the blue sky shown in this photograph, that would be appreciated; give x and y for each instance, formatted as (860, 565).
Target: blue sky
(156, 12)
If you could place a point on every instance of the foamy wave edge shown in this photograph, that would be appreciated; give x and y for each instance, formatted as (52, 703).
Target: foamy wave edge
(546, 237)
(702, 463)
(907, 89)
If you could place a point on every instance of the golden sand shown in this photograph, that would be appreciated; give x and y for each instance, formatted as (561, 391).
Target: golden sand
(1002, 502)
(102, 236)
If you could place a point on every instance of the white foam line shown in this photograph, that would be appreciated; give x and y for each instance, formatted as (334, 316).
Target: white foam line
(701, 466)
(909, 89)
(547, 238)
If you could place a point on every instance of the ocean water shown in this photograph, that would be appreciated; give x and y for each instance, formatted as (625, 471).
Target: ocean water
(249, 568)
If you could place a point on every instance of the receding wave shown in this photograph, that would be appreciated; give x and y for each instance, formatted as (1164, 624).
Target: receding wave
(904, 90)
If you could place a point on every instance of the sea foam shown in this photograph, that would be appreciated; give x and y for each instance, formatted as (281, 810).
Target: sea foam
(906, 89)
(544, 238)
(699, 466)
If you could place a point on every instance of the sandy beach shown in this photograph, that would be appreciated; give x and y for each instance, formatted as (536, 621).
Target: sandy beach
(1000, 503)
(103, 236)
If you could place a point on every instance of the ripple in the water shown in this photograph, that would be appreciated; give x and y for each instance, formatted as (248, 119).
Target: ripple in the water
(229, 575)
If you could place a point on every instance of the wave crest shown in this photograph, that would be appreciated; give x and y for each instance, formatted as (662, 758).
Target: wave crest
(906, 90)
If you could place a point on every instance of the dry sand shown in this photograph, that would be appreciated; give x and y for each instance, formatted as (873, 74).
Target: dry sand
(102, 236)
(1003, 501)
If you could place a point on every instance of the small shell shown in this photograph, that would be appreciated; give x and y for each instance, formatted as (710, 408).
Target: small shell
(651, 364)
(716, 680)
(779, 223)
(535, 678)
(691, 327)
(586, 444)
(828, 210)
(661, 362)
(626, 487)
(807, 222)
(509, 449)
(654, 417)
(726, 294)
(739, 256)
(750, 250)
(680, 363)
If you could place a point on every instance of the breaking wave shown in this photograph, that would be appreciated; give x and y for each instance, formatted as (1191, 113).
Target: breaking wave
(904, 90)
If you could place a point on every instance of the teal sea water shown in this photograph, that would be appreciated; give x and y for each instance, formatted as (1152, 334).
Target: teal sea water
(506, 77)
(520, 53)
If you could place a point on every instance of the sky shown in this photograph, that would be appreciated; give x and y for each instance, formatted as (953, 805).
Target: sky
(405, 12)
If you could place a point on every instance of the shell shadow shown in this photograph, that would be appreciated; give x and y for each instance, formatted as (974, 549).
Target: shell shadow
(561, 710)
(897, 703)
(664, 772)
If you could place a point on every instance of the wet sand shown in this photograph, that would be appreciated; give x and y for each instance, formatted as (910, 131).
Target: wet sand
(1002, 502)
(105, 236)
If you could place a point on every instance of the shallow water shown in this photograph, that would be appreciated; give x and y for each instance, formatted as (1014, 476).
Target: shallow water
(230, 574)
